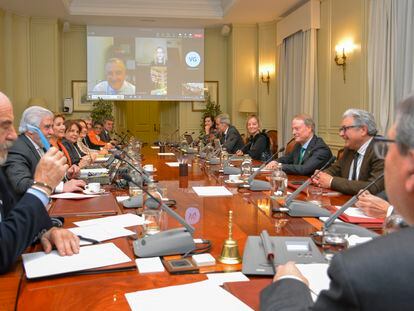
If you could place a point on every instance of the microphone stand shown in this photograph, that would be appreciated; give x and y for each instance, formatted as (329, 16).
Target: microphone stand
(261, 185)
(346, 227)
(308, 182)
(169, 242)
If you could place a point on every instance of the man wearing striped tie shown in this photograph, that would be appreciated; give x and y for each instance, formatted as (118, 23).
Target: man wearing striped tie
(358, 165)
(309, 153)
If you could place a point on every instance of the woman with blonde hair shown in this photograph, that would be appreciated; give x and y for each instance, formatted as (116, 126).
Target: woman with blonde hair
(258, 144)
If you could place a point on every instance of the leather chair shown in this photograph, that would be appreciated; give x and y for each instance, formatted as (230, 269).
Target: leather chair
(272, 134)
(290, 145)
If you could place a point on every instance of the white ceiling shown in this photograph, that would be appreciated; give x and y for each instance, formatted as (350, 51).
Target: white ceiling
(155, 13)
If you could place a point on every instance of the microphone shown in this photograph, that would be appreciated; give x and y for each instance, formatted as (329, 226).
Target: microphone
(173, 133)
(261, 185)
(169, 242)
(123, 138)
(268, 249)
(144, 175)
(349, 203)
(307, 182)
(303, 208)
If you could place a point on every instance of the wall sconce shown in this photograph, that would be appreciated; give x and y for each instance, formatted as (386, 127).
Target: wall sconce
(341, 51)
(265, 79)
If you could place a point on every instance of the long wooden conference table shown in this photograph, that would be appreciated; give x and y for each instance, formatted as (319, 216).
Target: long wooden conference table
(209, 216)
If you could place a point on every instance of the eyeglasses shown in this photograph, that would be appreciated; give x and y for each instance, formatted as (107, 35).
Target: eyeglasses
(381, 146)
(345, 128)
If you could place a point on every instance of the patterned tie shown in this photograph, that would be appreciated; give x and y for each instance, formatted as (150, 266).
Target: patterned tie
(354, 168)
(301, 155)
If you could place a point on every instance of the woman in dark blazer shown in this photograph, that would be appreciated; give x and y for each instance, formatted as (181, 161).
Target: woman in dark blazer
(258, 145)
(76, 156)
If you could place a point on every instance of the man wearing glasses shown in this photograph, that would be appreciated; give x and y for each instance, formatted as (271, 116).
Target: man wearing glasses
(359, 164)
(376, 275)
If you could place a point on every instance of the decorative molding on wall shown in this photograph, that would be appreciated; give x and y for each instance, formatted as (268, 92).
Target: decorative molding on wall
(211, 9)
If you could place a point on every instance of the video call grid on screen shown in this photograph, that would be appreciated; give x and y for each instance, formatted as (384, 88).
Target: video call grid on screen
(126, 63)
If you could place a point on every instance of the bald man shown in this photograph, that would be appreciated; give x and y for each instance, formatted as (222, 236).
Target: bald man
(28, 220)
(115, 80)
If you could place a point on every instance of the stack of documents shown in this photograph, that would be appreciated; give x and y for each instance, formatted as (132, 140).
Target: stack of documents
(41, 264)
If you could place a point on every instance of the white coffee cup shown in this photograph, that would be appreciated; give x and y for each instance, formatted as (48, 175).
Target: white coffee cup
(93, 187)
(234, 178)
(149, 167)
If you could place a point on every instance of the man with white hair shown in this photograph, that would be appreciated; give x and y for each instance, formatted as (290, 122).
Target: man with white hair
(372, 276)
(26, 152)
(230, 137)
(28, 219)
(358, 165)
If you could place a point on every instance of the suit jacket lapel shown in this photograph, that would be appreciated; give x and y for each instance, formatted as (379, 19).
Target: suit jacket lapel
(308, 151)
(31, 147)
(365, 162)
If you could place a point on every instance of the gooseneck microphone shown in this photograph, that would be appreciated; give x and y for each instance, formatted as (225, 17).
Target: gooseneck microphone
(169, 242)
(349, 203)
(307, 182)
(261, 185)
(141, 172)
(306, 209)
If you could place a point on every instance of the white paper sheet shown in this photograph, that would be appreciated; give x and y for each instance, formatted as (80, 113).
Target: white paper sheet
(93, 172)
(317, 275)
(220, 278)
(355, 212)
(149, 265)
(354, 240)
(103, 159)
(185, 297)
(166, 154)
(212, 191)
(122, 198)
(100, 233)
(175, 164)
(73, 196)
(124, 220)
(89, 257)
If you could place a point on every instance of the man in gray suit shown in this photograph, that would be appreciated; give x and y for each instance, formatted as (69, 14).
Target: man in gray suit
(229, 136)
(310, 152)
(27, 150)
(372, 276)
(358, 165)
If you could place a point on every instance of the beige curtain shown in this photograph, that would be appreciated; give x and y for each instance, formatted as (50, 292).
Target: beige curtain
(297, 85)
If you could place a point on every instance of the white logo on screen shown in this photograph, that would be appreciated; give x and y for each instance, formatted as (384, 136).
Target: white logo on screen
(192, 59)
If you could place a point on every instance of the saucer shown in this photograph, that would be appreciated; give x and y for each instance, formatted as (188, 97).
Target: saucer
(237, 182)
(90, 192)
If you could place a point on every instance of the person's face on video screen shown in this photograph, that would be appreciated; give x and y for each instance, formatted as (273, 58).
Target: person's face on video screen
(160, 55)
(115, 74)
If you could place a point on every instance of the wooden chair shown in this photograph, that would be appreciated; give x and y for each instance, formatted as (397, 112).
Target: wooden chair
(290, 145)
(340, 154)
(272, 134)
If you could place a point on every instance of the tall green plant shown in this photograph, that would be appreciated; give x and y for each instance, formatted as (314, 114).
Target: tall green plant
(101, 110)
(212, 109)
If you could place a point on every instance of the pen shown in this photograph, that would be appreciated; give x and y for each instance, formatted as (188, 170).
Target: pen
(88, 240)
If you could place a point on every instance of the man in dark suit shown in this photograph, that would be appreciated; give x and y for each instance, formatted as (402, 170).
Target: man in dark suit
(26, 152)
(28, 218)
(108, 125)
(310, 152)
(358, 165)
(372, 276)
(229, 136)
